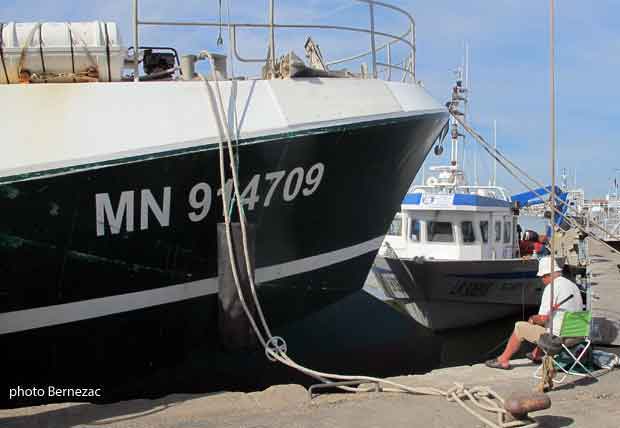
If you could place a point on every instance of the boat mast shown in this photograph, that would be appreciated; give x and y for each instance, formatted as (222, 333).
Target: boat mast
(552, 195)
(474, 150)
(458, 94)
(457, 91)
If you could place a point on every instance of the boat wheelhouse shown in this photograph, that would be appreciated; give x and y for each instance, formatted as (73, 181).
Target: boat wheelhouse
(441, 221)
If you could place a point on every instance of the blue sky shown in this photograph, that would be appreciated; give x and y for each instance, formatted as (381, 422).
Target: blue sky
(509, 63)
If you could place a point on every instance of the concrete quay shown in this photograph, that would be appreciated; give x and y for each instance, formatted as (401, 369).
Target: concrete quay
(605, 272)
(579, 402)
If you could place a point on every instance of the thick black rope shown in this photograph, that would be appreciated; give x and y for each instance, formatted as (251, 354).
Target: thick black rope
(72, 53)
(41, 47)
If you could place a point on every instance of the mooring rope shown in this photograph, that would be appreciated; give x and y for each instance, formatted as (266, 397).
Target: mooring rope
(275, 346)
(547, 375)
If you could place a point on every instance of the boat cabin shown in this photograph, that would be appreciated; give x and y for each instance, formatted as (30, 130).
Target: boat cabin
(470, 223)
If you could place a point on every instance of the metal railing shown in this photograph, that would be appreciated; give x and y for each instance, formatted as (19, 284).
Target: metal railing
(406, 66)
(495, 192)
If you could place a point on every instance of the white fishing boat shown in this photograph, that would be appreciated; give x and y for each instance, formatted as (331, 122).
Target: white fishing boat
(451, 256)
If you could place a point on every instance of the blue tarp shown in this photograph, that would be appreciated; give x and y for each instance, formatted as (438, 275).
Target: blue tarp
(530, 198)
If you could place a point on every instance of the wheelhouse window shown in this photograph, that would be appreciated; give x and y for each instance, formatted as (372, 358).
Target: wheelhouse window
(484, 231)
(439, 231)
(498, 231)
(396, 227)
(467, 228)
(415, 231)
(507, 230)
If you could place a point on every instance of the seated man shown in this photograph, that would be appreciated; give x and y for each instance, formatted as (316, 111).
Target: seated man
(536, 325)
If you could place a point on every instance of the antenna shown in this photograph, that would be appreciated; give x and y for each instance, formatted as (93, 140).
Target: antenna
(564, 177)
(466, 100)
(495, 146)
(475, 166)
(458, 95)
(575, 178)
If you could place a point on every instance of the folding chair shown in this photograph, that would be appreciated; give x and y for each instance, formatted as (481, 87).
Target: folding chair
(575, 330)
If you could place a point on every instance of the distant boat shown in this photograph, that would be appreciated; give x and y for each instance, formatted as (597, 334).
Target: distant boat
(606, 214)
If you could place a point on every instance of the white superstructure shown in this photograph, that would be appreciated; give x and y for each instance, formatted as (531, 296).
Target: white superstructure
(605, 213)
(446, 220)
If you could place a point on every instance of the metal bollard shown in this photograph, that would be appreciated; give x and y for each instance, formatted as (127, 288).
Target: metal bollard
(520, 404)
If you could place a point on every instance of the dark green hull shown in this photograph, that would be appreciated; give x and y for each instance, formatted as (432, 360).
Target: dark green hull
(108, 270)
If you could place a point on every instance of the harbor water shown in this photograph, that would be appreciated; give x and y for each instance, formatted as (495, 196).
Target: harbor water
(360, 335)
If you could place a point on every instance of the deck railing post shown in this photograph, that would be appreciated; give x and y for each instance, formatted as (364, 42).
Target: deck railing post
(272, 42)
(372, 39)
(413, 52)
(389, 59)
(136, 43)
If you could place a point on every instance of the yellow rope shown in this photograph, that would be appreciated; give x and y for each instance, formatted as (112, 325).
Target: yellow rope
(548, 373)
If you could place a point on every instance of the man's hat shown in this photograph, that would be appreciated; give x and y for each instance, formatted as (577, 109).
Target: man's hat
(544, 266)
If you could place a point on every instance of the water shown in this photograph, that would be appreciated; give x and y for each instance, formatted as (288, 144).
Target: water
(357, 335)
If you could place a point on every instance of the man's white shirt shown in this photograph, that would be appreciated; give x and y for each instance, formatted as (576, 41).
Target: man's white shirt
(562, 288)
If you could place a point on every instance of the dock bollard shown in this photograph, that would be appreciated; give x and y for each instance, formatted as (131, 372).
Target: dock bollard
(519, 405)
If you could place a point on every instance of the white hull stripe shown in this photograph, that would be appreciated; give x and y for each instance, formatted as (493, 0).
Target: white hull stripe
(28, 319)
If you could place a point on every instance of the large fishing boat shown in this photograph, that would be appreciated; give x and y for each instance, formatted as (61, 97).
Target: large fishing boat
(451, 256)
(110, 185)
